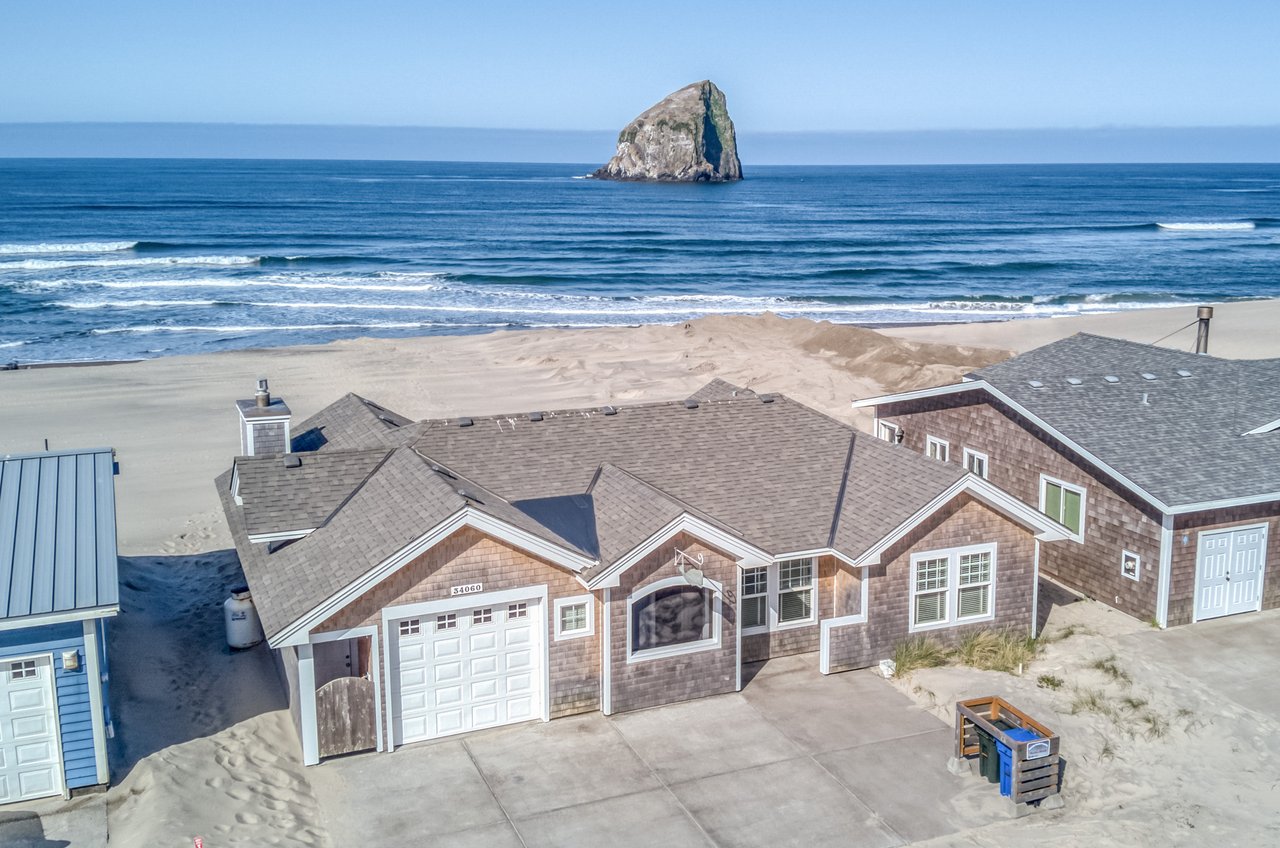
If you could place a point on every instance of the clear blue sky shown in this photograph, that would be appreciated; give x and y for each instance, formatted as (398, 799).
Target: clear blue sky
(807, 66)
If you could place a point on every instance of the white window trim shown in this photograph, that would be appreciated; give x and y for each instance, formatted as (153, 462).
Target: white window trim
(1137, 566)
(773, 594)
(589, 630)
(953, 618)
(986, 462)
(1045, 479)
(887, 431)
(942, 444)
(742, 596)
(711, 644)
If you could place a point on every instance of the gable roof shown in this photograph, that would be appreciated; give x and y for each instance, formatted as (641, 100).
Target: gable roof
(58, 557)
(758, 475)
(352, 422)
(1170, 425)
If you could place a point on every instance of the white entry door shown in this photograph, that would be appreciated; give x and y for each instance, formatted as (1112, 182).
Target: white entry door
(30, 761)
(1229, 567)
(467, 669)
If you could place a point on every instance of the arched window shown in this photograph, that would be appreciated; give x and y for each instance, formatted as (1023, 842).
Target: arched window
(673, 617)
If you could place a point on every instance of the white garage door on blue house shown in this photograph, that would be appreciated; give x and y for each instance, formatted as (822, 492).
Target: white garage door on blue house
(58, 586)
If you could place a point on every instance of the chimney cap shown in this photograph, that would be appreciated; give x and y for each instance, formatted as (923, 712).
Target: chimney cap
(1204, 313)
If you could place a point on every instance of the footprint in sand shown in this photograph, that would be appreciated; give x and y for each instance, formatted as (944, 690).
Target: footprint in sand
(248, 818)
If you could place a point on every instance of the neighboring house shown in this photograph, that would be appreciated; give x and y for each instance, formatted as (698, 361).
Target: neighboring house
(435, 577)
(1165, 466)
(57, 588)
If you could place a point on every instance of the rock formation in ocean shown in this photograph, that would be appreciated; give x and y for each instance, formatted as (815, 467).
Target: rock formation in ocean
(687, 137)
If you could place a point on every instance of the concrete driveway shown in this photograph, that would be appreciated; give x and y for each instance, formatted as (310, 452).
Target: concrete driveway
(794, 759)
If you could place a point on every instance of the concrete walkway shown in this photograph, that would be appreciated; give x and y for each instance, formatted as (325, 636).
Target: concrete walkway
(54, 823)
(795, 759)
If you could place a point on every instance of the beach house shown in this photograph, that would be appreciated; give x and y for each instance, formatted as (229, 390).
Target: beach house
(424, 578)
(57, 589)
(1164, 465)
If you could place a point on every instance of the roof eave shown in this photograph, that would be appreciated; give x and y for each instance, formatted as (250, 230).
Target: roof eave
(45, 619)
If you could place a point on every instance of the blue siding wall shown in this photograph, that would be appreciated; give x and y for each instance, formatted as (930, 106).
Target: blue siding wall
(73, 693)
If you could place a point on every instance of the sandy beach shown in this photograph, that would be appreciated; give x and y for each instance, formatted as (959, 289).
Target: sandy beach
(227, 766)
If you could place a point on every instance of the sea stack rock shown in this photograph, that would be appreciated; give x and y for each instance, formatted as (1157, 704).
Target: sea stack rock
(686, 138)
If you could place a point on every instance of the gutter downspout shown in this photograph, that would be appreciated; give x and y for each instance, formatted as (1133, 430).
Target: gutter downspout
(1166, 570)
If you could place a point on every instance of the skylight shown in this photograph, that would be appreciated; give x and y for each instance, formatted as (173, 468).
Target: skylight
(1182, 372)
(1147, 375)
(1111, 379)
(1075, 381)
(1035, 384)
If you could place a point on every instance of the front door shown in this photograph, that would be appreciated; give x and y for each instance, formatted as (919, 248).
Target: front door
(1229, 569)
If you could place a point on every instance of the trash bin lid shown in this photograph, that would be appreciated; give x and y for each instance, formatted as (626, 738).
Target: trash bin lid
(1022, 734)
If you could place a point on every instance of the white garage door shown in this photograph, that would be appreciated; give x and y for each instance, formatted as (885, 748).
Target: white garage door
(30, 762)
(1229, 567)
(470, 668)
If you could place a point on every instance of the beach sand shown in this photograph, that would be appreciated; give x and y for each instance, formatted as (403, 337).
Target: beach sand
(204, 746)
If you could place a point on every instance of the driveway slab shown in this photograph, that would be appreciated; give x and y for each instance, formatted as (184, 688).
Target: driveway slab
(642, 820)
(536, 768)
(687, 741)
(795, 802)
(907, 783)
(827, 713)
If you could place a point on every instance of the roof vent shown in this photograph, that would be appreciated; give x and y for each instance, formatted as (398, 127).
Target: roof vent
(1035, 384)
(690, 404)
(768, 398)
(1182, 372)
(1147, 375)
(535, 416)
(1111, 379)
(465, 422)
(292, 460)
(469, 496)
(609, 410)
(1074, 381)
(442, 471)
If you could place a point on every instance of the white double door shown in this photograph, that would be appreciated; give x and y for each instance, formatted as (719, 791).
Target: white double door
(1229, 570)
(30, 760)
(468, 668)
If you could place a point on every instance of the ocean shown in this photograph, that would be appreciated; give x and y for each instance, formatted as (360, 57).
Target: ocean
(121, 259)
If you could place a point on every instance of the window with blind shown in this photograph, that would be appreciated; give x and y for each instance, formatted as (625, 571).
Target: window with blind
(779, 595)
(953, 586)
(755, 598)
(1063, 503)
(795, 590)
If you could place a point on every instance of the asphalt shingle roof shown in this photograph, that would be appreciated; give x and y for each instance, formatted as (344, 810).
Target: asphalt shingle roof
(1180, 438)
(595, 482)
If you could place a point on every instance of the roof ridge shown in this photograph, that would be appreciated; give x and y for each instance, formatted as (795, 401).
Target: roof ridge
(678, 402)
(840, 495)
(680, 502)
(372, 471)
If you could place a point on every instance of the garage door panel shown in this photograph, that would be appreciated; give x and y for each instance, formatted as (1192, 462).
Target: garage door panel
(35, 753)
(483, 670)
(29, 726)
(30, 760)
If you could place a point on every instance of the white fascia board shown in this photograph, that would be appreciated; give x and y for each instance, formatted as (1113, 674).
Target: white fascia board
(45, 619)
(935, 391)
(1046, 528)
(297, 632)
(265, 419)
(280, 536)
(1030, 416)
(816, 552)
(745, 551)
(1226, 503)
(1265, 428)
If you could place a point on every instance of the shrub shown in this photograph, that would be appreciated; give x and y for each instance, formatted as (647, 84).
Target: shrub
(1049, 681)
(918, 652)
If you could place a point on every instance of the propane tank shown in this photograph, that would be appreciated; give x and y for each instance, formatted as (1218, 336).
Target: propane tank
(244, 629)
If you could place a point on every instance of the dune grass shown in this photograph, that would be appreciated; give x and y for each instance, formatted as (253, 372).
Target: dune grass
(996, 650)
(919, 652)
(1109, 667)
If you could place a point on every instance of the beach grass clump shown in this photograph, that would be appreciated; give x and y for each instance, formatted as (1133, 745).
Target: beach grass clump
(1064, 633)
(996, 650)
(919, 652)
(1155, 726)
(1049, 681)
(1133, 703)
(1093, 701)
(1112, 669)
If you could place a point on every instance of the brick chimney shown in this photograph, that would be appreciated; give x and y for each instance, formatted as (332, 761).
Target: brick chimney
(264, 423)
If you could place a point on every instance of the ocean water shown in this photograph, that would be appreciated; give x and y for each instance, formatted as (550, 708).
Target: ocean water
(112, 259)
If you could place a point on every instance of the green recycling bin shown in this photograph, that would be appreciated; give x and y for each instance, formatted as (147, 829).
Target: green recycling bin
(988, 757)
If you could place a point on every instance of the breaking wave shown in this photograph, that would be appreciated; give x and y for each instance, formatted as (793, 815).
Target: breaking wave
(68, 247)
(136, 262)
(1194, 226)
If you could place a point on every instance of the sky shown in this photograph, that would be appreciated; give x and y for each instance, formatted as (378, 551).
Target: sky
(797, 67)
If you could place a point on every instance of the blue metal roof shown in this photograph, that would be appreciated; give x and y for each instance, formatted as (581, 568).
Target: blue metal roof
(57, 534)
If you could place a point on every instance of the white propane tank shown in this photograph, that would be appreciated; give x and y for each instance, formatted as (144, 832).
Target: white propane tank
(244, 629)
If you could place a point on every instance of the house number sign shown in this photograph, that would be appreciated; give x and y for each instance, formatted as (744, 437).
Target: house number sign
(466, 589)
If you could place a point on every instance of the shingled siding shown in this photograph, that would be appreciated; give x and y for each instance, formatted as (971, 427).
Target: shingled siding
(469, 556)
(1019, 452)
(961, 523)
(1186, 532)
(268, 438)
(795, 640)
(649, 683)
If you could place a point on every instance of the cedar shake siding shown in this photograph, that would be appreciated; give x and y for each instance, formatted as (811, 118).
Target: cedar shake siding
(1186, 533)
(961, 523)
(796, 640)
(652, 682)
(1018, 453)
(469, 556)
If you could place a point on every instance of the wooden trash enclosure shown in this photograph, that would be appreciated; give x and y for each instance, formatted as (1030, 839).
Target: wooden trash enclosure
(346, 720)
(1037, 767)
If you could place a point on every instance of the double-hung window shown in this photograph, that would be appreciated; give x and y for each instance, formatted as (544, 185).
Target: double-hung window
(939, 449)
(1064, 503)
(953, 586)
(779, 595)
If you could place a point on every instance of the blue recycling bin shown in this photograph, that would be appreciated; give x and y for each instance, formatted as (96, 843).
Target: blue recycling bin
(1018, 734)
